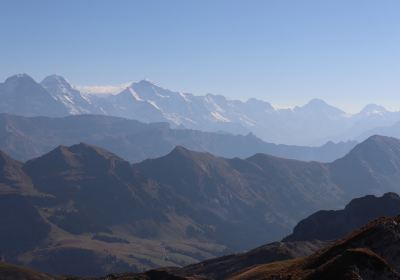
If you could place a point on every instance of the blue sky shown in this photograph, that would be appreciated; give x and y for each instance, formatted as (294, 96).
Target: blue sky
(286, 52)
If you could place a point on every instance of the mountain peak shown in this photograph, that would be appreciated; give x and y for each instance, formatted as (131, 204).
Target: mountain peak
(81, 150)
(362, 204)
(56, 85)
(374, 148)
(317, 101)
(84, 148)
(77, 158)
(146, 82)
(379, 140)
(18, 78)
(334, 224)
(371, 109)
(181, 151)
(317, 105)
(183, 155)
(55, 79)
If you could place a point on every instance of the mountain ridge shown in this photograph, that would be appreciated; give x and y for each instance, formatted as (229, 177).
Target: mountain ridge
(180, 208)
(147, 102)
(25, 138)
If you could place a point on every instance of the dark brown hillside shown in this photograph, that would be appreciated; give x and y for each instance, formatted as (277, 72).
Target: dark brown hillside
(226, 266)
(224, 193)
(102, 187)
(370, 252)
(331, 225)
(12, 272)
(181, 208)
(12, 177)
(21, 226)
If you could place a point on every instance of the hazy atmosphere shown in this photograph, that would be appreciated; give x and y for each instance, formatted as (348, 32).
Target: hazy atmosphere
(199, 140)
(284, 52)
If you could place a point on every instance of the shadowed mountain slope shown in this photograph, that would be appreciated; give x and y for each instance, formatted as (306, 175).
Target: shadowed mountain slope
(12, 272)
(367, 253)
(331, 225)
(178, 209)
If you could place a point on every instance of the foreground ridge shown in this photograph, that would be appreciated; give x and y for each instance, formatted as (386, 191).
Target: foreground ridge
(367, 253)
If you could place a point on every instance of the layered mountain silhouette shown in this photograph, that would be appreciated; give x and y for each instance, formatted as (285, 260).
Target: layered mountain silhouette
(391, 130)
(369, 251)
(365, 251)
(25, 138)
(309, 236)
(88, 204)
(312, 124)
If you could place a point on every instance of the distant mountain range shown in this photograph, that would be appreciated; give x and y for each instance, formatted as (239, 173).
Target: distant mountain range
(391, 130)
(27, 137)
(85, 204)
(312, 124)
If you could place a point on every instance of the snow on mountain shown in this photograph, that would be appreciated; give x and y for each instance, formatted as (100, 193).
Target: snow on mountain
(311, 124)
(373, 109)
(63, 92)
(21, 95)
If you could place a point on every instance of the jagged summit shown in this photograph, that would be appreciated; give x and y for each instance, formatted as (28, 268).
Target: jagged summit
(309, 125)
(62, 91)
(22, 95)
(55, 80)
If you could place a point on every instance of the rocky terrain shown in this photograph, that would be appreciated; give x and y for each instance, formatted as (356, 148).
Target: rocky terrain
(86, 204)
(368, 252)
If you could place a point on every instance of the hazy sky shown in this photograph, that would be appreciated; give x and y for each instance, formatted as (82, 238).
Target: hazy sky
(286, 52)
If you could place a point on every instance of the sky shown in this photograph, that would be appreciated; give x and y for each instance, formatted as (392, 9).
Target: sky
(346, 52)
